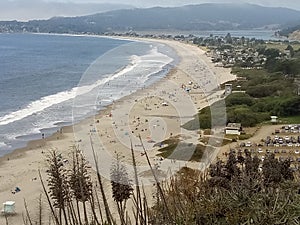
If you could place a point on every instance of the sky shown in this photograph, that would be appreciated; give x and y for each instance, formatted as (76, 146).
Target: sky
(294, 4)
(43, 9)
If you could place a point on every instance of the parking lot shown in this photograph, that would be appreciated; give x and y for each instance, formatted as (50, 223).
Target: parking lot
(283, 141)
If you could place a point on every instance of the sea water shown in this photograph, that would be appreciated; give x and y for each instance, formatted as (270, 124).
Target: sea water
(49, 81)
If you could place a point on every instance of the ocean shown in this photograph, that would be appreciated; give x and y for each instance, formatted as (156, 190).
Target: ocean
(50, 81)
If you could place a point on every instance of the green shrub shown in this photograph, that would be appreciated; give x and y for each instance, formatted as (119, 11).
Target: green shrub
(239, 99)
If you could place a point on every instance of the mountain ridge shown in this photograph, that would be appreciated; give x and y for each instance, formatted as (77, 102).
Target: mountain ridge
(208, 16)
(35, 9)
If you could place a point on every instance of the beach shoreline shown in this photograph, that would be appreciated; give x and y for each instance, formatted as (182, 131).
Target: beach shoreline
(20, 167)
(41, 142)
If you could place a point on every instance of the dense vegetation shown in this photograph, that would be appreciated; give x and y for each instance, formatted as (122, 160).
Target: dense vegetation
(241, 190)
(288, 30)
(272, 90)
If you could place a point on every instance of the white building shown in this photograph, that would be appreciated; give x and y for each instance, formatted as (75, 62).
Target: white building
(233, 128)
(8, 207)
(274, 119)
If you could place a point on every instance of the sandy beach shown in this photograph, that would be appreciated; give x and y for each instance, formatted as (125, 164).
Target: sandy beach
(155, 113)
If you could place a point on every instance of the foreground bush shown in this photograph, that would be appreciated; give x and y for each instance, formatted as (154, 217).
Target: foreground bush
(238, 191)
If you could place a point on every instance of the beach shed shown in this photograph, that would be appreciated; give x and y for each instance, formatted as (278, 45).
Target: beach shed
(9, 207)
(274, 119)
(233, 128)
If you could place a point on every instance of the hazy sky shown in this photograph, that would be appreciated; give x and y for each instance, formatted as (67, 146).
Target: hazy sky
(295, 4)
(44, 9)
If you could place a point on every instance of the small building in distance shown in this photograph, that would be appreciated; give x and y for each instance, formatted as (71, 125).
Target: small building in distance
(8, 207)
(228, 89)
(233, 128)
(274, 119)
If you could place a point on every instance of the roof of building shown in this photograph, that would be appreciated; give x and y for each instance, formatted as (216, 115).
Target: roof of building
(233, 126)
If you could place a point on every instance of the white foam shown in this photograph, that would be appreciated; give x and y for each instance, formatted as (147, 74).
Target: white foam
(2, 144)
(48, 101)
(153, 59)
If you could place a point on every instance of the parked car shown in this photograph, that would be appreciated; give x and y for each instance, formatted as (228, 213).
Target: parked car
(291, 159)
(290, 145)
(259, 150)
(287, 138)
(242, 144)
(248, 144)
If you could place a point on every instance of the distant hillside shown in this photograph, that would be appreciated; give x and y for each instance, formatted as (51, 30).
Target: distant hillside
(295, 35)
(36, 9)
(292, 32)
(192, 17)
